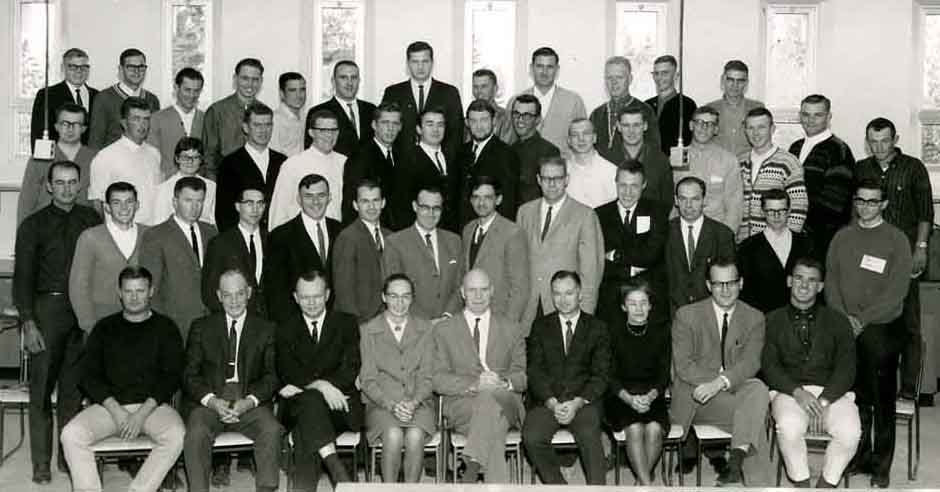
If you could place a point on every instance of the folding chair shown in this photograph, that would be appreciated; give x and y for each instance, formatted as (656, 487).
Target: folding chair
(816, 440)
(909, 413)
(672, 446)
(708, 436)
(114, 448)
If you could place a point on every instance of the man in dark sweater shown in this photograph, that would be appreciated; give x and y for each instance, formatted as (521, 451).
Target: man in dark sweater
(869, 265)
(132, 367)
(809, 365)
(531, 148)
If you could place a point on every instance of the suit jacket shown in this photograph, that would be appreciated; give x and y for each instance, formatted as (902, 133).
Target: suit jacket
(334, 358)
(566, 107)
(583, 371)
(166, 130)
(291, 252)
(207, 356)
(504, 256)
(59, 94)
(229, 250)
(497, 160)
(177, 275)
(457, 364)
(574, 242)
(436, 289)
(238, 171)
(357, 271)
(696, 351)
(348, 140)
(392, 371)
(368, 161)
(422, 169)
(438, 94)
(765, 278)
(687, 285)
(635, 251)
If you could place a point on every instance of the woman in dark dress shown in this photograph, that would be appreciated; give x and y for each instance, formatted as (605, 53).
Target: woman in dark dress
(635, 401)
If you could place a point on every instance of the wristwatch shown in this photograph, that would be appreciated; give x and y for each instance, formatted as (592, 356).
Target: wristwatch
(922, 244)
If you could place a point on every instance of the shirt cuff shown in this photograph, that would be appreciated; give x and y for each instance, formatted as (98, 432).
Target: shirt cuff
(205, 399)
(725, 380)
(254, 400)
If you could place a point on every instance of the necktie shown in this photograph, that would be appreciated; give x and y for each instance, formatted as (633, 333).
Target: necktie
(252, 253)
(352, 117)
(321, 243)
(724, 335)
(548, 222)
(314, 334)
(388, 158)
(475, 245)
(691, 246)
(440, 167)
(232, 351)
(78, 97)
(378, 241)
(475, 147)
(569, 335)
(195, 241)
(626, 221)
(420, 98)
(476, 334)
(427, 240)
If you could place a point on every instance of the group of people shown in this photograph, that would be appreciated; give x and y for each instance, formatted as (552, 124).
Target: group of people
(536, 267)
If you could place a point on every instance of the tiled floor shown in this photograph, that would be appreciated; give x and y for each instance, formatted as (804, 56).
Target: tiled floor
(15, 472)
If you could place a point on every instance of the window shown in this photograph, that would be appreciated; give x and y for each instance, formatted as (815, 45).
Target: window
(929, 114)
(490, 42)
(29, 71)
(338, 35)
(790, 54)
(641, 37)
(188, 36)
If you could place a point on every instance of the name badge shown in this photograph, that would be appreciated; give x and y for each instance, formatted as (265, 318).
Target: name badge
(716, 179)
(873, 264)
(642, 224)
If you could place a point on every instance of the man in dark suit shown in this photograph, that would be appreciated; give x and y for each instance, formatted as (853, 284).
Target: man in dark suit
(432, 163)
(354, 115)
(766, 259)
(318, 361)
(486, 155)
(420, 92)
(243, 247)
(693, 242)
(229, 382)
(71, 90)
(497, 246)
(635, 231)
(357, 264)
(299, 245)
(530, 147)
(568, 365)
(253, 165)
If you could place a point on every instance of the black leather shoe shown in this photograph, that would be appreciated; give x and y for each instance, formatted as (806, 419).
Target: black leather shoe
(686, 466)
(880, 482)
(42, 474)
(221, 475)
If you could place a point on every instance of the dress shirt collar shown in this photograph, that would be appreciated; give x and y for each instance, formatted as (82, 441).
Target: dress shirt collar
(384, 148)
(549, 94)
(285, 110)
(311, 224)
(239, 322)
(809, 313)
(758, 159)
(485, 223)
(815, 139)
(185, 226)
(555, 206)
(720, 312)
(130, 92)
(259, 156)
(696, 226)
(130, 144)
(775, 237)
(415, 91)
(372, 226)
(470, 318)
(481, 145)
(573, 319)
(319, 319)
(623, 211)
(344, 103)
(182, 112)
(73, 88)
(430, 151)
(422, 232)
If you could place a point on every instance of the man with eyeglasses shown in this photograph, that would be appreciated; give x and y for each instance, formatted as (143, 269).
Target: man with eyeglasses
(869, 269)
(618, 75)
(529, 146)
(72, 90)
(106, 115)
(733, 106)
(223, 132)
(428, 255)
(45, 243)
(666, 104)
(910, 208)
(188, 158)
(182, 119)
(718, 168)
(70, 120)
(716, 350)
(254, 165)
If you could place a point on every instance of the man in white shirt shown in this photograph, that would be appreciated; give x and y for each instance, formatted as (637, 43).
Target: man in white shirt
(591, 178)
(129, 159)
(319, 158)
(287, 137)
(182, 119)
(188, 159)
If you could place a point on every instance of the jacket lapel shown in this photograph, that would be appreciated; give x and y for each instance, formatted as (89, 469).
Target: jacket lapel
(494, 230)
(703, 248)
(183, 241)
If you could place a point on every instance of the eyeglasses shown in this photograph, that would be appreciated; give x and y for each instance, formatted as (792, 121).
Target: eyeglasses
(253, 203)
(68, 125)
(189, 158)
(872, 202)
(730, 284)
(397, 297)
(704, 124)
(554, 180)
(136, 68)
(777, 212)
(325, 130)
(436, 209)
(77, 68)
(523, 116)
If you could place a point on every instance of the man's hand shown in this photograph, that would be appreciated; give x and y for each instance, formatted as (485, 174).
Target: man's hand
(405, 410)
(32, 338)
(857, 326)
(134, 424)
(562, 411)
(222, 408)
(239, 407)
(808, 403)
(289, 391)
(490, 380)
(920, 262)
(335, 398)
(118, 413)
(707, 391)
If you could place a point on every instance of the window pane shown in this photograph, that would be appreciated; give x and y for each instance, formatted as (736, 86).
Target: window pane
(789, 58)
(491, 26)
(190, 36)
(787, 133)
(640, 40)
(32, 47)
(930, 144)
(21, 120)
(341, 30)
(932, 60)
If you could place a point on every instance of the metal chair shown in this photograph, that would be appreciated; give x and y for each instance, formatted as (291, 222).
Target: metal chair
(909, 413)
(16, 397)
(114, 448)
(672, 446)
(432, 446)
(513, 452)
(708, 436)
(816, 440)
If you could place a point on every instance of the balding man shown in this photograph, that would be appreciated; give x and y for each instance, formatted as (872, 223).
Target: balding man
(617, 78)
(479, 368)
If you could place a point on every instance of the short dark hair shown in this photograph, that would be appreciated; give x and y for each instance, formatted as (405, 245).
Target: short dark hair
(566, 274)
(429, 186)
(313, 275)
(774, 194)
(62, 164)
(722, 262)
(249, 62)
(344, 63)
(188, 183)
(631, 167)
(552, 160)
(736, 65)
(395, 277)
(809, 262)
(691, 179)
(880, 123)
(631, 110)
(368, 183)
(528, 99)
(188, 73)
(72, 108)
(134, 272)
(129, 52)
(312, 179)
(872, 184)
(759, 112)
(73, 53)
(544, 51)
(636, 284)
(118, 187)
(817, 99)
(258, 108)
(432, 109)
(706, 110)
(233, 270)
(250, 187)
(485, 72)
(286, 77)
(666, 59)
(386, 107)
(320, 114)
(134, 102)
(483, 180)
(188, 143)
(479, 105)
(417, 47)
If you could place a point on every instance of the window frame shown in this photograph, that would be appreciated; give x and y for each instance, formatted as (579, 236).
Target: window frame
(507, 86)
(316, 91)
(663, 26)
(20, 104)
(168, 82)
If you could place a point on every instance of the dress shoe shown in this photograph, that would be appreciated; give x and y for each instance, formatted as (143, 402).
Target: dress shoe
(42, 474)
(221, 475)
(719, 464)
(732, 476)
(859, 467)
(686, 466)
(823, 484)
(803, 484)
(880, 482)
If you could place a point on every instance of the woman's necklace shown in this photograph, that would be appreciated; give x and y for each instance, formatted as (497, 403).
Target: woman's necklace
(636, 333)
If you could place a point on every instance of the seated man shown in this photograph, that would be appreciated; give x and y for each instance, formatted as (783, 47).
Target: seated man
(809, 365)
(229, 382)
(132, 366)
(479, 367)
(716, 349)
(318, 361)
(567, 378)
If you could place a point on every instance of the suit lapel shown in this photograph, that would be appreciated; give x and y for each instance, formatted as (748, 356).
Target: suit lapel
(489, 238)
(702, 246)
(183, 241)
(465, 339)
(562, 216)
(555, 338)
(246, 342)
(197, 124)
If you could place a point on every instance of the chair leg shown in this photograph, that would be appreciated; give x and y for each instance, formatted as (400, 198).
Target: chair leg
(681, 457)
(698, 466)
(615, 449)
(779, 471)
(917, 441)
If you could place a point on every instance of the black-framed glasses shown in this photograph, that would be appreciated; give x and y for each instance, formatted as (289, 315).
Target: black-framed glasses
(77, 68)
(725, 285)
(325, 130)
(523, 116)
(68, 125)
(553, 179)
(136, 68)
(871, 202)
(777, 212)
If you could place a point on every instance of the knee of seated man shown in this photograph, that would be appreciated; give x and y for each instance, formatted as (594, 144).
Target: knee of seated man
(789, 425)
(74, 434)
(754, 392)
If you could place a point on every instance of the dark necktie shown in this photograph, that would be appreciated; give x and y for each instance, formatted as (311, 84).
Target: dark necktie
(427, 240)
(548, 222)
(321, 244)
(378, 241)
(232, 351)
(440, 167)
(252, 254)
(420, 98)
(78, 97)
(388, 159)
(195, 241)
(352, 118)
(476, 334)
(475, 245)
(690, 239)
(569, 336)
(475, 147)
(314, 334)
(626, 221)
(724, 335)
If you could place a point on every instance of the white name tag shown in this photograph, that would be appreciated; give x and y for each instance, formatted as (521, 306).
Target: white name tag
(873, 264)
(716, 179)
(634, 271)
(642, 224)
